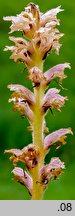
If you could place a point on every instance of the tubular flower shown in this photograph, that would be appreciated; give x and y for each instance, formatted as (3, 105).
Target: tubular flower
(53, 99)
(23, 109)
(21, 51)
(28, 155)
(57, 136)
(40, 37)
(56, 71)
(51, 170)
(24, 93)
(23, 178)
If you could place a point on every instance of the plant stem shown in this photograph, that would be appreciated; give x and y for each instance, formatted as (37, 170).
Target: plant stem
(38, 142)
(38, 137)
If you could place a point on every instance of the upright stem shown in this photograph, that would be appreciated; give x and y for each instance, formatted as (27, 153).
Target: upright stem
(37, 193)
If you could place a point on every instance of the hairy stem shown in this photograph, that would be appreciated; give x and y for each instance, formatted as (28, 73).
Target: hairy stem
(38, 136)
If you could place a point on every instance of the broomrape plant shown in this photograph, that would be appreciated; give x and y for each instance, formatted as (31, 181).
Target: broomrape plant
(39, 38)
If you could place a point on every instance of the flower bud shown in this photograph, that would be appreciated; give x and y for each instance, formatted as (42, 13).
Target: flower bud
(36, 76)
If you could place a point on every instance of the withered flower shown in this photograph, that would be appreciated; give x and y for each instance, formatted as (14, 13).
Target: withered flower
(29, 155)
(51, 170)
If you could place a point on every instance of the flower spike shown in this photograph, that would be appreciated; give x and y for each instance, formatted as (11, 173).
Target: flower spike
(40, 37)
(40, 29)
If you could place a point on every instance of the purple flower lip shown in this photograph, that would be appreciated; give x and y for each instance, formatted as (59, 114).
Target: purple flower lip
(57, 136)
(56, 71)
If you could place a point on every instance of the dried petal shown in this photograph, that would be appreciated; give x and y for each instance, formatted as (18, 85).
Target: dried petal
(56, 71)
(53, 99)
(57, 136)
(28, 155)
(22, 177)
(23, 93)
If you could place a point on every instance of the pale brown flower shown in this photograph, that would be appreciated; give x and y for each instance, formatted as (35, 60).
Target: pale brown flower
(29, 155)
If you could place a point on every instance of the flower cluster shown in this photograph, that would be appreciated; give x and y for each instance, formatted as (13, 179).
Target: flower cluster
(41, 31)
(39, 37)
